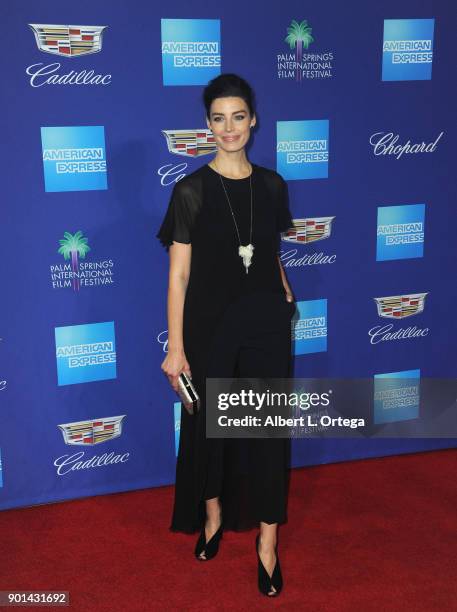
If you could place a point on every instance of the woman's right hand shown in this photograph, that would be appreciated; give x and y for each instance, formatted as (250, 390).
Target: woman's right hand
(174, 363)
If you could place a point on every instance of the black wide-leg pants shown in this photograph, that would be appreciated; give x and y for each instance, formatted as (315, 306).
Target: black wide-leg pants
(250, 475)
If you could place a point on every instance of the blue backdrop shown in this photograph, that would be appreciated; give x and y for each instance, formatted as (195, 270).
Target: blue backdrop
(102, 114)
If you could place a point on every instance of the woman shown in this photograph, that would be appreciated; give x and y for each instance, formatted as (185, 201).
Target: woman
(229, 314)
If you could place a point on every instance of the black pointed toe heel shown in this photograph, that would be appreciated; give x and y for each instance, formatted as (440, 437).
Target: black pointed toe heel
(264, 581)
(211, 547)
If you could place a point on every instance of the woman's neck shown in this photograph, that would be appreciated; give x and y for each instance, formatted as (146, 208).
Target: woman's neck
(235, 165)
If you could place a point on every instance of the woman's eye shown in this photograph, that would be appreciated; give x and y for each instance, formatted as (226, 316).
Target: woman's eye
(237, 117)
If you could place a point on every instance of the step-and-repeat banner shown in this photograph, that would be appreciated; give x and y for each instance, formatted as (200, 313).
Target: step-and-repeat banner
(103, 114)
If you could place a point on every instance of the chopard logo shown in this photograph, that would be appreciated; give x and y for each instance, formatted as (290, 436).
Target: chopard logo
(385, 143)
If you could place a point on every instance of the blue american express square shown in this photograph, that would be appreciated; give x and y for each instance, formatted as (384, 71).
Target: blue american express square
(177, 424)
(74, 158)
(302, 149)
(407, 50)
(400, 232)
(85, 353)
(396, 396)
(309, 327)
(191, 51)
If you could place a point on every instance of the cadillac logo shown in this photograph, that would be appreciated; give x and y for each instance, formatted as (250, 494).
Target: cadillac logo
(400, 306)
(191, 143)
(92, 432)
(309, 230)
(68, 40)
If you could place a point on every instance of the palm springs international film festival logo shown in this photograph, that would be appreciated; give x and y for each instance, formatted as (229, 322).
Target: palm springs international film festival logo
(407, 50)
(302, 149)
(76, 274)
(398, 307)
(74, 158)
(304, 232)
(68, 41)
(396, 396)
(85, 353)
(185, 143)
(299, 65)
(400, 232)
(191, 51)
(94, 431)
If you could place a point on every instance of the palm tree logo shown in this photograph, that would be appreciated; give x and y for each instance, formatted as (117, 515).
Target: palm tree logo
(299, 36)
(72, 246)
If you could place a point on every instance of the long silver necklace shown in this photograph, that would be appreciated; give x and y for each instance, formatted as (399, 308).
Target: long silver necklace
(244, 251)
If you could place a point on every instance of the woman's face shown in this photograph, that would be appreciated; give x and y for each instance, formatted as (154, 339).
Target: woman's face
(230, 123)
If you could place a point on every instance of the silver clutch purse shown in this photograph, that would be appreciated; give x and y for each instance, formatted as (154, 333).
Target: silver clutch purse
(188, 394)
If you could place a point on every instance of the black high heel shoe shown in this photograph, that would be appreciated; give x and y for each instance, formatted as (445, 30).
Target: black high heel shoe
(211, 547)
(264, 581)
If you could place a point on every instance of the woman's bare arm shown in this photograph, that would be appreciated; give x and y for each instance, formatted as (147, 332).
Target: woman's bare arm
(288, 290)
(178, 278)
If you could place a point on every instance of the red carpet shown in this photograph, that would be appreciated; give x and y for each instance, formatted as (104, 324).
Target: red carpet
(372, 535)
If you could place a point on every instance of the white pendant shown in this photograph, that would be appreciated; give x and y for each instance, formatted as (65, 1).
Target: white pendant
(246, 253)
